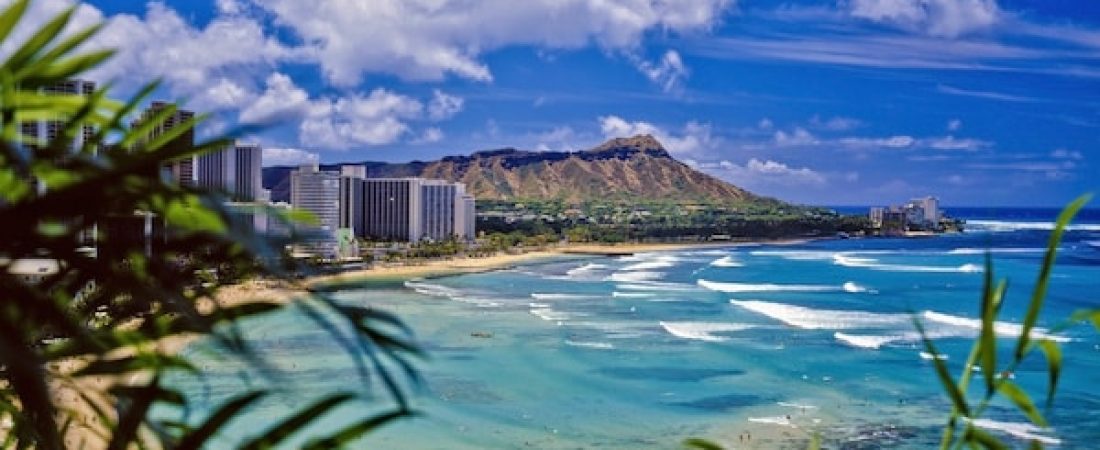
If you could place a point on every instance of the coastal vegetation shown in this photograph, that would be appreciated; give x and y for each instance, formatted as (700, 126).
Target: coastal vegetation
(87, 338)
(648, 220)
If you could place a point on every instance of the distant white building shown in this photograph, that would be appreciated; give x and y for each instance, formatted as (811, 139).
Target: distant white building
(236, 171)
(415, 209)
(318, 192)
(351, 198)
(930, 208)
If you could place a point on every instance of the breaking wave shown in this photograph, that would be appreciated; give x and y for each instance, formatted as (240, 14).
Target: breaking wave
(770, 287)
(727, 261)
(1021, 430)
(847, 260)
(1006, 226)
(702, 331)
(632, 277)
(898, 327)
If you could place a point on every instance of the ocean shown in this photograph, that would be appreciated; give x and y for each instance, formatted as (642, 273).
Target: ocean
(647, 350)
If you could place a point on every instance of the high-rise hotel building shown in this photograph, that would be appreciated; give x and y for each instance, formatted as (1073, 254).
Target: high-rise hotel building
(318, 192)
(352, 179)
(40, 133)
(415, 209)
(182, 170)
(235, 171)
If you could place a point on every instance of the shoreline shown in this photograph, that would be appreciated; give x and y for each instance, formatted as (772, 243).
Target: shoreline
(439, 268)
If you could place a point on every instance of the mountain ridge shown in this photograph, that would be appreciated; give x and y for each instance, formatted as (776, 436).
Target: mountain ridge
(628, 168)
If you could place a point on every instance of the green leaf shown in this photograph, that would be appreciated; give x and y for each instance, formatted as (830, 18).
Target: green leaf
(957, 397)
(701, 444)
(132, 410)
(40, 39)
(11, 16)
(1022, 400)
(1039, 295)
(355, 431)
(978, 436)
(1091, 315)
(987, 336)
(72, 66)
(284, 429)
(1053, 354)
(201, 436)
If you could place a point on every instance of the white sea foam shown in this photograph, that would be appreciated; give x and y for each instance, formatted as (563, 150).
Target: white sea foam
(550, 315)
(702, 331)
(617, 330)
(1020, 430)
(560, 296)
(822, 319)
(590, 267)
(797, 405)
(538, 305)
(594, 345)
(661, 262)
(982, 251)
(770, 287)
(778, 420)
(847, 260)
(636, 276)
(480, 302)
(1006, 329)
(796, 255)
(656, 286)
(727, 261)
(899, 326)
(929, 356)
(633, 294)
(1005, 226)
(865, 341)
(434, 290)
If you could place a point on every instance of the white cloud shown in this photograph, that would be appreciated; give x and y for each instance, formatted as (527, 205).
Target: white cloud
(222, 94)
(898, 141)
(444, 106)
(765, 124)
(798, 137)
(375, 119)
(163, 44)
(288, 157)
(557, 139)
(757, 173)
(429, 39)
(942, 18)
(229, 6)
(430, 135)
(282, 100)
(668, 73)
(1062, 153)
(945, 89)
(835, 123)
(954, 125)
(952, 143)
(694, 137)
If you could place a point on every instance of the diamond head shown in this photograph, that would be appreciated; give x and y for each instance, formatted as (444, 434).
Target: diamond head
(623, 169)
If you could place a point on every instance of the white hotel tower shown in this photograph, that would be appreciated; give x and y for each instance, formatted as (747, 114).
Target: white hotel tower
(413, 209)
(235, 171)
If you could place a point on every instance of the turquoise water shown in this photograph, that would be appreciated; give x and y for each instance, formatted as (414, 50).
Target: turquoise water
(644, 351)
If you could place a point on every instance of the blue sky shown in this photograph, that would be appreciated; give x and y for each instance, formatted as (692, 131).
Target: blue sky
(980, 102)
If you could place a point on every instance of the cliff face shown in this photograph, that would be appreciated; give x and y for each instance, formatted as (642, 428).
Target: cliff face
(620, 169)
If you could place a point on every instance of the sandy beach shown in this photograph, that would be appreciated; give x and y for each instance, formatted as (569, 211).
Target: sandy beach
(464, 265)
